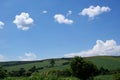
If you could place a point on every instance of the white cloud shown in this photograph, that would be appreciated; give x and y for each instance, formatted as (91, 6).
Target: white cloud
(92, 11)
(2, 58)
(61, 19)
(23, 21)
(1, 25)
(69, 13)
(44, 12)
(101, 48)
(28, 57)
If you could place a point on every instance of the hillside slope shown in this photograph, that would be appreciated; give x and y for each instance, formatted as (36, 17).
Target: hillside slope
(108, 62)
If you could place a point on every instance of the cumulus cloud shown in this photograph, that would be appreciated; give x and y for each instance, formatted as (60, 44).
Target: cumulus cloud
(23, 21)
(28, 57)
(101, 48)
(44, 12)
(69, 13)
(1, 25)
(61, 19)
(93, 11)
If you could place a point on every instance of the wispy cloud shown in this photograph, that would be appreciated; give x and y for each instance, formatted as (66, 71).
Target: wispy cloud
(45, 11)
(1, 24)
(101, 48)
(93, 11)
(28, 57)
(2, 58)
(61, 19)
(69, 13)
(23, 21)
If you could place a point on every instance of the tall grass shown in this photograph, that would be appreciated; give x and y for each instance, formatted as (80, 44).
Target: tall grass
(104, 77)
(41, 77)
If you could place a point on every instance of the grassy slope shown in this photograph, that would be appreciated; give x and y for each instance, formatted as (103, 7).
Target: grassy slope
(104, 77)
(44, 64)
(105, 61)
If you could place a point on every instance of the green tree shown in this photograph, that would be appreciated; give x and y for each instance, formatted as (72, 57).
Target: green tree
(103, 71)
(52, 62)
(82, 69)
(3, 73)
(22, 72)
(33, 69)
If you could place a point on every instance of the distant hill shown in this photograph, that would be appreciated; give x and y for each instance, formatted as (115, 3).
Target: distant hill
(108, 62)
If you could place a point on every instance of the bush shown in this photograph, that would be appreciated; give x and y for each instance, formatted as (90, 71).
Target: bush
(52, 77)
(3, 73)
(20, 72)
(59, 73)
(66, 73)
(52, 62)
(82, 69)
(33, 69)
(68, 78)
(103, 71)
(65, 63)
(116, 76)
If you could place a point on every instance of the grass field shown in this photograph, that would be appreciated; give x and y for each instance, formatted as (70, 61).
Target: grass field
(104, 77)
(50, 77)
(108, 62)
(44, 63)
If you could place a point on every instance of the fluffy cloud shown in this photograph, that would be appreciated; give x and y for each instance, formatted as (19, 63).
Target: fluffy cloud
(61, 19)
(1, 25)
(28, 57)
(44, 12)
(101, 48)
(69, 13)
(23, 21)
(92, 11)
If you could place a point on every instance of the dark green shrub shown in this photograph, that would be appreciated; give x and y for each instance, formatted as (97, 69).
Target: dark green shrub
(65, 63)
(66, 73)
(82, 69)
(33, 69)
(59, 73)
(52, 62)
(28, 73)
(21, 72)
(3, 73)
(116, 76)
(103, 71)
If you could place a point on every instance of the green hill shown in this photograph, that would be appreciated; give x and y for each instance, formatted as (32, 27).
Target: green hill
(108, 62)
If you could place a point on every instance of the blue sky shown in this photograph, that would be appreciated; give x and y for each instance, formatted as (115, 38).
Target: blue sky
(40, 29)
